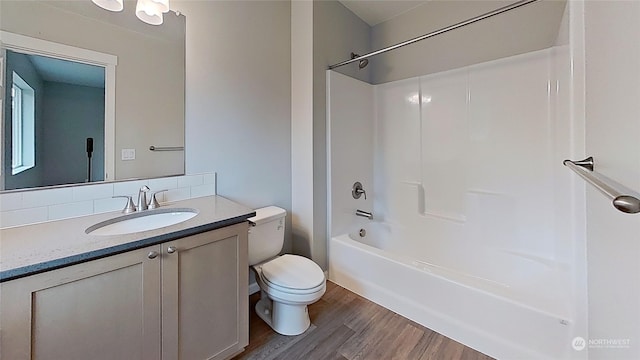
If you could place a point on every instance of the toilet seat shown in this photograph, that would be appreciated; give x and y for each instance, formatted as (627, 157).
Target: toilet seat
(292, 274)
(293, 271)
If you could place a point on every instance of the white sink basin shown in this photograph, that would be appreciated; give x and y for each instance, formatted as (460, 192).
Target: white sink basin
(142, 221)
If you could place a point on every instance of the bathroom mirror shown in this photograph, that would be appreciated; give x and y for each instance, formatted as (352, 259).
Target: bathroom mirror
(147, 106)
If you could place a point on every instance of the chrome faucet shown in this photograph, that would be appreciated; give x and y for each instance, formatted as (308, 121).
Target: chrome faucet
(142, 198)
(363, 213)
(142, 201)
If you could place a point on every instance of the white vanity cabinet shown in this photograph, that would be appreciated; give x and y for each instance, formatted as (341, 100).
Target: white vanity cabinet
(184, 299)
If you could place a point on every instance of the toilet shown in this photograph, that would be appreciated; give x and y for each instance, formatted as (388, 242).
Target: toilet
(288, 283)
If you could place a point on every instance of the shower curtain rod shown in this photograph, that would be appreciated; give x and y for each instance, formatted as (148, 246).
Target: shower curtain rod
(501, 10)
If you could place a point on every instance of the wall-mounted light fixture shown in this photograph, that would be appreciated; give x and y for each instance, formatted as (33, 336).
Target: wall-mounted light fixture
(149, 11)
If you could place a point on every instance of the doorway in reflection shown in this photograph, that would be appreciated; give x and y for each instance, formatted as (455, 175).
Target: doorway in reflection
(54, 121)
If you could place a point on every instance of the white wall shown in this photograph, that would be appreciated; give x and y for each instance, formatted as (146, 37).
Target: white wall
(323, 33)
(612, 44)
(350, 126)
(238, 113)
(336, 33)
(302, 127)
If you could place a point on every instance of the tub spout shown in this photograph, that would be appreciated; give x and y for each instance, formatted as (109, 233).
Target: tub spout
(363, 213)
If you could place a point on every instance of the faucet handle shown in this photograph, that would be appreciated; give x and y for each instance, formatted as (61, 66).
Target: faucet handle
(153, 202)
(130, 207)
(357, 190)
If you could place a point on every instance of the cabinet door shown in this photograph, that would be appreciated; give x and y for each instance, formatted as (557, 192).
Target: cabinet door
(103, 309)
(204, 295)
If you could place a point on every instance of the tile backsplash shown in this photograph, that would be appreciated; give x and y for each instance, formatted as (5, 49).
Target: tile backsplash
(33, 206)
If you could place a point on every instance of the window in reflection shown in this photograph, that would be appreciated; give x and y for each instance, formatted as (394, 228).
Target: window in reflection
(22, 125)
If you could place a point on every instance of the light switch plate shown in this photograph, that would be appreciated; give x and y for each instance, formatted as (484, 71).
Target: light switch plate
(128, 154)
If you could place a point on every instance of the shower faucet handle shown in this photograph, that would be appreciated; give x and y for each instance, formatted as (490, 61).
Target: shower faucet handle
(357, 190)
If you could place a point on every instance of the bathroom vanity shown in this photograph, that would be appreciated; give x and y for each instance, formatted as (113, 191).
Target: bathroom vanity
(178, 292)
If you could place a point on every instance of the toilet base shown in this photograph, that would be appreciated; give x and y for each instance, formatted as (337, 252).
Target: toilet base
(285, 319)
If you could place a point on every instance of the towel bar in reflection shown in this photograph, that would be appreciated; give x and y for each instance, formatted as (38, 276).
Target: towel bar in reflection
(166, 148)
(624, 199)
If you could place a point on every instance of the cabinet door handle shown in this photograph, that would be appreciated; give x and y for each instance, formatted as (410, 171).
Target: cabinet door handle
(172, 249)
(152, 254)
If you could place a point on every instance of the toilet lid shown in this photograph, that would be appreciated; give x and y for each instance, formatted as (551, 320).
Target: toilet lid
(293, 272)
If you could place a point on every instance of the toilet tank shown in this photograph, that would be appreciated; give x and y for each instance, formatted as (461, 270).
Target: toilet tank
(266, 234)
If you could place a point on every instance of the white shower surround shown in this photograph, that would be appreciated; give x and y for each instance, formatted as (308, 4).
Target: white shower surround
(473, 233)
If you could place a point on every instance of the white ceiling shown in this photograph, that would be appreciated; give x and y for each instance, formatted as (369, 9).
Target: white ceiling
(374, 12)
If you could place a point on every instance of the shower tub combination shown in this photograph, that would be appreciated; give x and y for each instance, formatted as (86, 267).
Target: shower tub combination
(474, 250)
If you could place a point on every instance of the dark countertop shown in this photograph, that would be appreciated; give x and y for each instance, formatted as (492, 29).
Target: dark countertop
(31, 249)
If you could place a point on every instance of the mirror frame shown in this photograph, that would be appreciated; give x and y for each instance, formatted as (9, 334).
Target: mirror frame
(33, 46)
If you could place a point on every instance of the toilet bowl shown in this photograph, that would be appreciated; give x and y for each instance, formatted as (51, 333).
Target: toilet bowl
(288, 283)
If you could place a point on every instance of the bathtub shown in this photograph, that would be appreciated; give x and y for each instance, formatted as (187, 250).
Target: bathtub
(486, 311)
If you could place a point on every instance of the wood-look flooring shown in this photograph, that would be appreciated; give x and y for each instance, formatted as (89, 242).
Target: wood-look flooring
(347, 326)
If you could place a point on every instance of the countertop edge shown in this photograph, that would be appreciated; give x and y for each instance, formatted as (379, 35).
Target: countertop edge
(29, 270)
